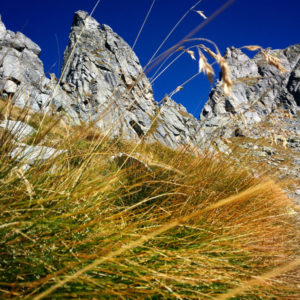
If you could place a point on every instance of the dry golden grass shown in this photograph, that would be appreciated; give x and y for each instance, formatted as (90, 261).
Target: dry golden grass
(193, 227)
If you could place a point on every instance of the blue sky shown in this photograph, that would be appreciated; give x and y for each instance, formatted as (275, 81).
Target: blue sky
(269, 23)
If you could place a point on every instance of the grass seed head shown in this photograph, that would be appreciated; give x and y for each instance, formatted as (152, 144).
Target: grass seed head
(274, 61)
(253, 48)
(191, 53)
(205, 67)
(201, 13)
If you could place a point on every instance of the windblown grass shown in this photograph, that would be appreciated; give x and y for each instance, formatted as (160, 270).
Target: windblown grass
(83, 226)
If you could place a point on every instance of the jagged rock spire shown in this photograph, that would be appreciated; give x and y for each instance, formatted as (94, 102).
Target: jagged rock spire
(259, 88)
(106, 77)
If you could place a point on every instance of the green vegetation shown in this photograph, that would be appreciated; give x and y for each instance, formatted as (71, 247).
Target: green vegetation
(193, 227)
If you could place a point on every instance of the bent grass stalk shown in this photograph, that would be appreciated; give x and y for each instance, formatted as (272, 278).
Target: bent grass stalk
(144, 22)
(260, 280)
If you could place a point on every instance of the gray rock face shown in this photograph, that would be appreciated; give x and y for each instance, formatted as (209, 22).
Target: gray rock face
(18, 129)
(22, 75)
(259, 88)
(174, 123)
(105, 77)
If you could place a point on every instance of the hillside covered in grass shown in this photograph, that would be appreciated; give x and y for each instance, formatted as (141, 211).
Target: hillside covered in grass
(170, 224)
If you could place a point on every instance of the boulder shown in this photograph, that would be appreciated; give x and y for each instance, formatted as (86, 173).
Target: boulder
(31, 155)
(18, 129)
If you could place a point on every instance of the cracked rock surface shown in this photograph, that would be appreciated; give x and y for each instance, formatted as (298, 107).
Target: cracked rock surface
(106, 78)
(259, 88)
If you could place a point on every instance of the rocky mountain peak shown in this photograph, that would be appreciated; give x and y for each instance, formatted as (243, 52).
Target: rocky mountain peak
(240, 64)
(259, 88)
(103, 83)
(81, 18)
(105, 76)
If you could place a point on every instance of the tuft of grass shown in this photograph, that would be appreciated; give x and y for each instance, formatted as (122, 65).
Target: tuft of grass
(195, 226)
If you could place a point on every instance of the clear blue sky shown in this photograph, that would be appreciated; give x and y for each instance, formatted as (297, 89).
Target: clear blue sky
(269, 23)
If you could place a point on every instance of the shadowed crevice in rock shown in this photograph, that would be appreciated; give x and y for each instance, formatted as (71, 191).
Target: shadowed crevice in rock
(137, 128)
(294, 83)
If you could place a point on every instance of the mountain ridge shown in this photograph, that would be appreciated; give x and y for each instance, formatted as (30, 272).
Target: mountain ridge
(103, 83)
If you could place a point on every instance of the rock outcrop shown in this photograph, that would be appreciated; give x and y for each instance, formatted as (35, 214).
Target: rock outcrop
(26, 155)
(22, 75)
(31, 155)
(259, 88)
(17, 129)
(106, 78)
(174, 123)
